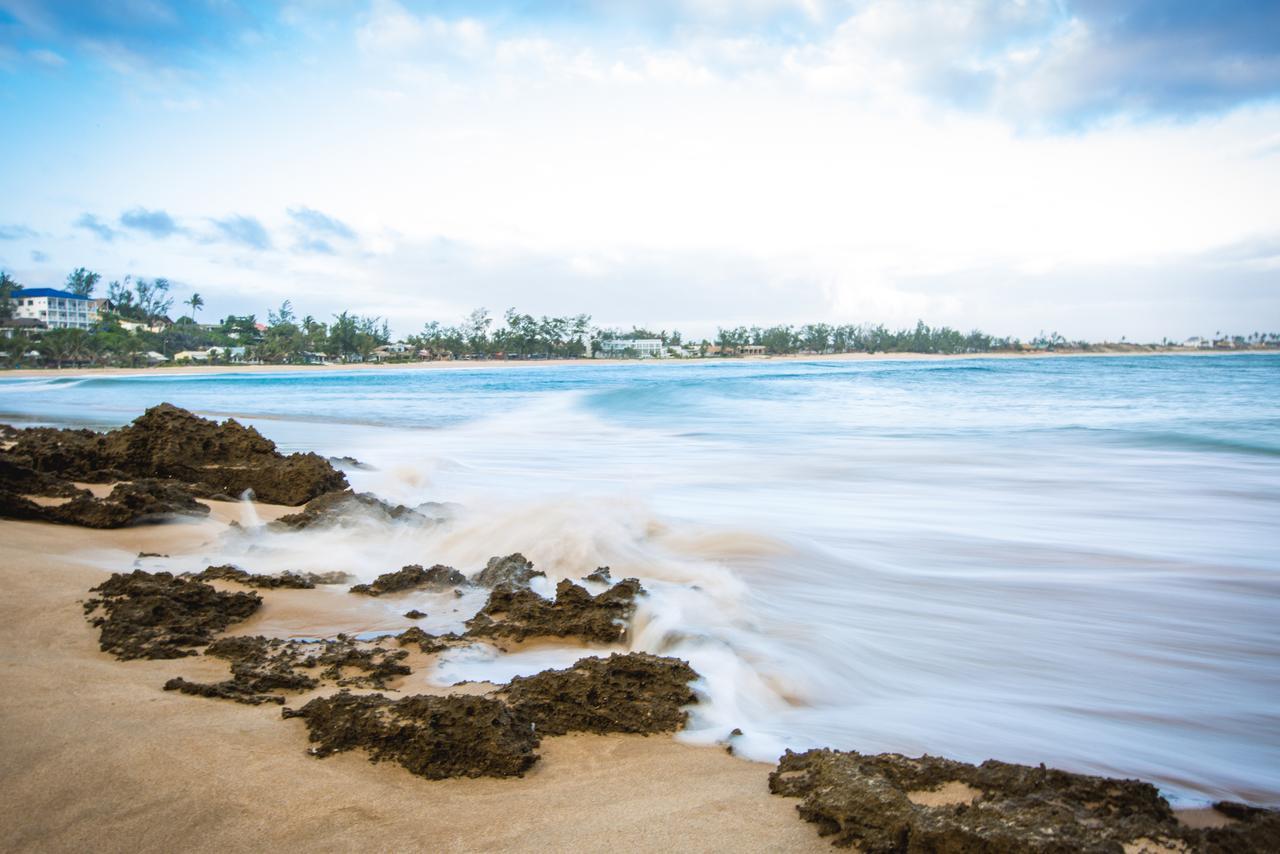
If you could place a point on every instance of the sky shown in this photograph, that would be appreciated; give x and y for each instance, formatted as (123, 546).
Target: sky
(1098, 168)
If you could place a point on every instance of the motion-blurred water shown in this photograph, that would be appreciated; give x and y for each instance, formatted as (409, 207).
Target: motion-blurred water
(1069, 561)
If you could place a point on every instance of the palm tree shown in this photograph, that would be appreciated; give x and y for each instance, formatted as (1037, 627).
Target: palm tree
(196, 302)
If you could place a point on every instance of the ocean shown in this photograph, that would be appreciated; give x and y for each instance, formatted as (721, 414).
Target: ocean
(1073, 561)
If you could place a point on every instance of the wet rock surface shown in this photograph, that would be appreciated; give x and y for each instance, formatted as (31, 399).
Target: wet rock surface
(600, 575)
(135, 503)
(412, 577)
(514, 569)
(286, 579)
(156, 615)
(433, 737)
(167, 442)
(518, 613)
(24, 480)
(139, 502)
(261, 666)
(636, 693)
(345, 507)
(428, 642)
(863, 801)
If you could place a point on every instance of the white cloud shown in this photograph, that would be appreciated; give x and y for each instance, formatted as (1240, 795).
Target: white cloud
(722, 177)
(393, 30)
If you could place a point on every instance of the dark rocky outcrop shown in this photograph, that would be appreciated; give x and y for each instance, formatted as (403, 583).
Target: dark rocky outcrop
(433, 737)
(286, 579)
(514, 569)
(337, 508)
(415, 614)
(16, 506)
(138, 502)
(518, 613)
(412, 577)
(636, 692)
(167, 442)
(155, 615)
(600, 575)
(1253, 831)
(428, 642)
(24, 480)
(262, 666)
(863, 800)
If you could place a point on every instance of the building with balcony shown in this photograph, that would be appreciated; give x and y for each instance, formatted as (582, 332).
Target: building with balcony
(56, 309)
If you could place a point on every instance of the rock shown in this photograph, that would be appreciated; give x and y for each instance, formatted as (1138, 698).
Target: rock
(412, 577)
(336, 508)
(16, 506)
(286, 579)
(155, 615)
(24, 480)
(136, 503)
(1254, 831)
(415, 614)
(71, 454)
(600, 575)
(863, 801)
(514, 569)
(260, 666)
(519, 613)
(376, 664)
(226, 690)
(350, 463)
(428, 642)
(636, 692)
(168, 442)
(433, 737)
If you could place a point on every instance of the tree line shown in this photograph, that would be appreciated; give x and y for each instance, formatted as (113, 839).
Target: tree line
(135, 324)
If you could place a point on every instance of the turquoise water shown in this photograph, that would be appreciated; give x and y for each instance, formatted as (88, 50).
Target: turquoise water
(1070, 561)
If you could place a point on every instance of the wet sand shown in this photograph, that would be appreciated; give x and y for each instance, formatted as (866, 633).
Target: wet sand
(95, 756)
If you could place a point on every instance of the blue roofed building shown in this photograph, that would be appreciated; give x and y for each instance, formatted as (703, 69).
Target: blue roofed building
(56, 309)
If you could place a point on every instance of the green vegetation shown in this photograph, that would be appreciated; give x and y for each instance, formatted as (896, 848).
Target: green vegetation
(134, 330)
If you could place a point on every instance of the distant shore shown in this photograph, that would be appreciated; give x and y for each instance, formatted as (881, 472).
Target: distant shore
(485, 364)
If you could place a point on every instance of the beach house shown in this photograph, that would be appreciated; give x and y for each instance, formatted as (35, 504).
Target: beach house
(56, 309)
(643, 348)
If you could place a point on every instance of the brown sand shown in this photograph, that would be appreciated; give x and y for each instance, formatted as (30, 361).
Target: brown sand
(95, 756)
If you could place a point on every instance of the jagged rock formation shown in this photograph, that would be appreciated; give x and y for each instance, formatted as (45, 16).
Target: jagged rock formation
(863, 801)
(155, 615)
(514, 569)
(433, 737)
(294, 580)
(518, 613)
(337, 508)
(636, 692)
(170, 443)
(260, 666)
(412, 577)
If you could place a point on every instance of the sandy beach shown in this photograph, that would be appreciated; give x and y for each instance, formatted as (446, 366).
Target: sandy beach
(93, 755)
(113, 737)
(533, 364)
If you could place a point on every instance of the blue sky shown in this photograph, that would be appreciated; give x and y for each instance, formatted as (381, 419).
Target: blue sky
(1098, 168)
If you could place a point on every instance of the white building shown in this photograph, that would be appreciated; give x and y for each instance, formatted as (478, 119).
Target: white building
(645, 348)
(58, 309)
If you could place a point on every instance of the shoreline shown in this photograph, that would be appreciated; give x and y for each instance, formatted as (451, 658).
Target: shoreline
(96, 755)
(490, 364)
